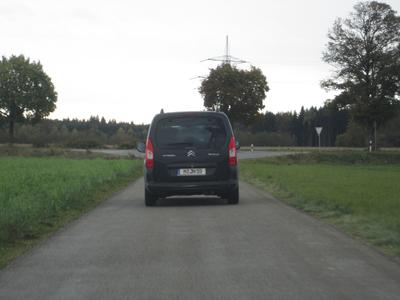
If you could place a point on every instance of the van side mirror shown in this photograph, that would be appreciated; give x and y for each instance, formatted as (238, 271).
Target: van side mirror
(141, 147)
(237, 145)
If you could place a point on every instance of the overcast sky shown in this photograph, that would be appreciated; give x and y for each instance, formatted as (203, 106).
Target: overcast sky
(126, 60)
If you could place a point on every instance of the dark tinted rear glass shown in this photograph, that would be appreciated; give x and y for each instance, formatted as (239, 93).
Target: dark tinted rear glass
(206, 132)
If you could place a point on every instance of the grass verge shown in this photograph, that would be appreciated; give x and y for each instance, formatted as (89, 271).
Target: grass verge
(357, 192)
(40, 195)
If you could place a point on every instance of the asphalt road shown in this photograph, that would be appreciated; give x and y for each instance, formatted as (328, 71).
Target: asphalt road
(199, 248)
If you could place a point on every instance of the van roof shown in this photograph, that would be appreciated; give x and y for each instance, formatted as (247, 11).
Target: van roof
(185, 113)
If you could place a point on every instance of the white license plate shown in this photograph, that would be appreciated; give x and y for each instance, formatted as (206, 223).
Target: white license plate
(191, 172)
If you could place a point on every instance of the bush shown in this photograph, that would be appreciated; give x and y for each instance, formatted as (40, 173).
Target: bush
(127, 146)
(38, 143)
(389, 135)
(83, 143)
(355, 136)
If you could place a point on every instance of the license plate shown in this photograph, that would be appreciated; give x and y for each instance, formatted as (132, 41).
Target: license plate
(191, 172)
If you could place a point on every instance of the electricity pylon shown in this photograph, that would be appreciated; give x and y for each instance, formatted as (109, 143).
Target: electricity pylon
(227, 58)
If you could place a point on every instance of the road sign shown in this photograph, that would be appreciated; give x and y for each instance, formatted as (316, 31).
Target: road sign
(319, 130)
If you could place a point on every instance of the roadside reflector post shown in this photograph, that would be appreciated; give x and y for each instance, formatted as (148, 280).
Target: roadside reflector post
(319, 130)
(251, 147)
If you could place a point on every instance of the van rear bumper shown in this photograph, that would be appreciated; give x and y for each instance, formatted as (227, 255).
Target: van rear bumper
(191, 188)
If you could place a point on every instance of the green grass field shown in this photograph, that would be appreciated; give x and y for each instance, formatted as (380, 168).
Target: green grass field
(38, 195)
(360, 195)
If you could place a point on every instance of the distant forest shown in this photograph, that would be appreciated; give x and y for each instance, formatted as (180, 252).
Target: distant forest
(92, 133)
(279, 129)
(298, 129)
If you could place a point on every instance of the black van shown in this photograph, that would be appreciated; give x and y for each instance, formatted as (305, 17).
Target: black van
(190, 153)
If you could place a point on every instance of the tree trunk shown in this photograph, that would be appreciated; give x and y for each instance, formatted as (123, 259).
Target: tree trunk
(375, 141)
(11, 131)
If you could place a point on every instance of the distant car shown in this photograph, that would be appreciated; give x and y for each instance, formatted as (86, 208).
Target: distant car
(190, 153)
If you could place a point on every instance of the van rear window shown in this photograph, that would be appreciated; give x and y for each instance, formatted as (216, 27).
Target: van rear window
(198, 132)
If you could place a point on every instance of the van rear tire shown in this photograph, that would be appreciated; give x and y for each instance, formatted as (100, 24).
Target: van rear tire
(233, 196)
(149, 199)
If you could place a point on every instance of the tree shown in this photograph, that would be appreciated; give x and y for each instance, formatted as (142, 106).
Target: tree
(299, 132)
(269, 122)
(365, 51)
(26, 92)
(238, 93)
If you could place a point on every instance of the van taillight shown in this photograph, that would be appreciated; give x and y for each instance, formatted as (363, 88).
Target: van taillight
(149, 157)
(232, 152)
